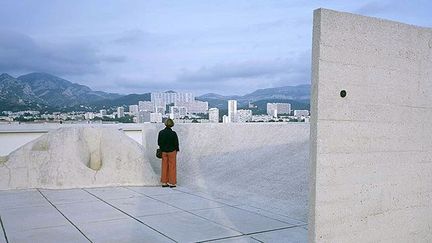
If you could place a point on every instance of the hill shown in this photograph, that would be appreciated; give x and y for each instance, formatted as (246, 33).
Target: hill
(42, 91)
(58, 92)
(16, 95)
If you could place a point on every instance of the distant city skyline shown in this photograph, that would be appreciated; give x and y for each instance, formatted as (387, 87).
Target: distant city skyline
(229, 47)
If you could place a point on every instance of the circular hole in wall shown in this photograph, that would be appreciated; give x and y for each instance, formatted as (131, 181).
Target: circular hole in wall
(343, 93)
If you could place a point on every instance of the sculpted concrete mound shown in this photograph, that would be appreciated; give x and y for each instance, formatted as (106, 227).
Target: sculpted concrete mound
(77, 157)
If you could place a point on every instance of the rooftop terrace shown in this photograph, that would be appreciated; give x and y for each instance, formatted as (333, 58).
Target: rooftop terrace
(138, 214)
(237, 183)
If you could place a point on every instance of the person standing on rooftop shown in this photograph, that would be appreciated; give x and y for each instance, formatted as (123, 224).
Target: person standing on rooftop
(169, 145)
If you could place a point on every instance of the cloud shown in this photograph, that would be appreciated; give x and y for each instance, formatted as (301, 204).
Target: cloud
(247, 76)
(130, 37)
(22, 53)
(399, 8)
(225, 72)
(374, 7)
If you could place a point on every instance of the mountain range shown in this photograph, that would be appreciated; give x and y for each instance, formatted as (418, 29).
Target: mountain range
(42, 91)
(298, 96)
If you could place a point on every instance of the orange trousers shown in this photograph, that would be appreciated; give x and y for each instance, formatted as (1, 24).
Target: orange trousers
(169, 170)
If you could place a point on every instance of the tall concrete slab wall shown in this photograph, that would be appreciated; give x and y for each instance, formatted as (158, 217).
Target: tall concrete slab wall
(371, 151)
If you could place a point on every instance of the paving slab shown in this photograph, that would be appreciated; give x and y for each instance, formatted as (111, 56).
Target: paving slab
(84, 212)
(209, 196)
(153, 190)
(122, 230)
(290, 235)
(241, 220)
(106, 193)
(272, 215)
(21, 198)
(68, 196)
(142, 206)
(188, 201)
(17, 191)
(65, 234)
(185, 227)
(26, 218)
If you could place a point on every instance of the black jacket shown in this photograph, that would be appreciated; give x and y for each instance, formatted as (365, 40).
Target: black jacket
(168, 140)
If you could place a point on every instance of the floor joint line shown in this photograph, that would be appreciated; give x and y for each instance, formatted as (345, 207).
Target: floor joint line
(237, 207)
(52, 204)
(256, 213)
(229, 237)
(272, 230)
(129, 215)
(4, 230)
(190, 212)
(250, 234)
(266, 216)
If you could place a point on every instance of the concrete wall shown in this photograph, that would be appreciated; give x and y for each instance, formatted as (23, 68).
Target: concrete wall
(265, 163)
(371, 151)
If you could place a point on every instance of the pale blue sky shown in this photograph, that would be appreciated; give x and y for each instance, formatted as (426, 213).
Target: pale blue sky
(227, 47)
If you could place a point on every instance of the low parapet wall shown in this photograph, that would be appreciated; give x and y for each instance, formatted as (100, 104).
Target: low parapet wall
(13, 136)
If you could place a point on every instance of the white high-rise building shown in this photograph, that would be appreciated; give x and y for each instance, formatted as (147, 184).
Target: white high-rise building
(164, 98)
(120, 111)
(89, 115)
(232, 110)
(144, 116)
(284, 108)
(275, 109)
(177, 112)
(244, 115)
(214, 115)
(183, 111)
(197, 107)
(225, 119)
(103, 112)
(133, 110)
(146, 106)
(194, 107)
(160, 109)
(299, 113)
(156, 117)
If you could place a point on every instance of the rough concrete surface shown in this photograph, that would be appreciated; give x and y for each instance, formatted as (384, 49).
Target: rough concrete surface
(262, 165)
(265, 165)
(371, 151)
(77, 157)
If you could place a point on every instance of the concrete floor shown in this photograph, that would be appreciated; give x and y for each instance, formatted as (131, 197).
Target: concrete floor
(138, 214)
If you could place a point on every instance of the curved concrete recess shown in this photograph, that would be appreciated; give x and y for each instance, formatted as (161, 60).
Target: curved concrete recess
(77, 157)
(262, 164)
